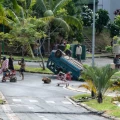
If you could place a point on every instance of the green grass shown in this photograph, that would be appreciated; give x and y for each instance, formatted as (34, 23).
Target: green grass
(1, 101)
(33, 69)
(107, 106)
(97, 55)
(27, 58)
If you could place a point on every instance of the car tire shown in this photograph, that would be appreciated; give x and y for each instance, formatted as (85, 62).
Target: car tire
(58, 53)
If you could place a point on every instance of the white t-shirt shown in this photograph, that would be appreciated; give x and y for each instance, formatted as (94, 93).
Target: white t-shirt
(78, 50)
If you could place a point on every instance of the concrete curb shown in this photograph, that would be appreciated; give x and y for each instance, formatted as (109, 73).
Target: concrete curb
(74, 89)
(89, 108)
(7, 110)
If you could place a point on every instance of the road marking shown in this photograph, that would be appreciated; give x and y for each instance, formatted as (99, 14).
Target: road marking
(45, 119)
(33, 100)
(31, 108)
(42, 117)
(17, 100)
(66, 102)
(50, 102)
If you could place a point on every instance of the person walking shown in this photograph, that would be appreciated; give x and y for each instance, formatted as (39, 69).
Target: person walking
(78, 52)
(22, 68)
(11, 67)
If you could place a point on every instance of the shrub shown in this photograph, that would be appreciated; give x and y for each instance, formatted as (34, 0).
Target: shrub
(108, 48)
(114, 29)
(102, 20)
(87, 16)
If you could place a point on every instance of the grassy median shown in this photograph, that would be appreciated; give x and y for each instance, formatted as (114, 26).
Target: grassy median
(107, 106)
(34, 69)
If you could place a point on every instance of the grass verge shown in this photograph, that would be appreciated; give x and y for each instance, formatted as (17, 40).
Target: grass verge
(2, 101)
(107, 106)
(27, 58)
(33, 69)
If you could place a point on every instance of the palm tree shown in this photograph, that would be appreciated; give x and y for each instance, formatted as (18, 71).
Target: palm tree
(100, 78)
(52, 13)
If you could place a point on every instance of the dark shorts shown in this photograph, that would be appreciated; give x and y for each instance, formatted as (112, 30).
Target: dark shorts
(22, 70)
(68, 52)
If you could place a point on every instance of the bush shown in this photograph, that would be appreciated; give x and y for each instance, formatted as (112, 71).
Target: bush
(108, 48)
(102, 20)
(87, 16)
(114, 29)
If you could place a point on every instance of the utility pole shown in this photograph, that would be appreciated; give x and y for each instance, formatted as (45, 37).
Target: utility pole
(93, 37)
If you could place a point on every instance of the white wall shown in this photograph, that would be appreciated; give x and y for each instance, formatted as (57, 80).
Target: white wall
(114, 4)
(110, 6)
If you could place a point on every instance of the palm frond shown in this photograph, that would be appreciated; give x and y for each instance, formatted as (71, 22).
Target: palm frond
(33, 2)
(85, 86)
(40, 5)
(51, 3)
(73, 21)
(60, 22)
(13, 15)
(28, 3)
(19, 10)
(60, 4)
(47, 19)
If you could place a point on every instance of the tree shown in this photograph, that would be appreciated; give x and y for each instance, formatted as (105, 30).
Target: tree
(54, 13)
(100, 78)
(102, 20)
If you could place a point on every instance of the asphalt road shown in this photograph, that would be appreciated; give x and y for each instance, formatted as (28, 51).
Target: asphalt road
(30, 99)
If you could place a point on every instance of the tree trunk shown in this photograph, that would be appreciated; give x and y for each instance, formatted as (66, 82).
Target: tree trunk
(100, 99)
(43, 65)
(92, 94)
(30, 50)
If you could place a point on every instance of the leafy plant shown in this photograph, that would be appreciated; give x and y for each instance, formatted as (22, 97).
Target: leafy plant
(102, 20)
(114, 29)
(108, 48)
(100, 78)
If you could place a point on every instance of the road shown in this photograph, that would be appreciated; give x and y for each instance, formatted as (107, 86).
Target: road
(30, 99)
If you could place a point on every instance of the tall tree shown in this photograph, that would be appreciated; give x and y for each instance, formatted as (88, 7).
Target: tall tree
(54, 13)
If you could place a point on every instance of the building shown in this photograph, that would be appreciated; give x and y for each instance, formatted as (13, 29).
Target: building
(110, 5)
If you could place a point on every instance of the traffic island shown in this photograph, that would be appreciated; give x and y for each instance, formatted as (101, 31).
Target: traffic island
(106, 109)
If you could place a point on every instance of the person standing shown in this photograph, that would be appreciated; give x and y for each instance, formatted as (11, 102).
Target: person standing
(22, 68)
(11, 67)
(67, 49)
(78, 52)
(4, 68)
(116, 61)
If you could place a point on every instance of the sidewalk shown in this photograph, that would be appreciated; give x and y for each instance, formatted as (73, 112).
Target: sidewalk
(74, 87)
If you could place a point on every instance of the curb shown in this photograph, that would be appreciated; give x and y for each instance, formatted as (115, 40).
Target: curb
(89, 108)
(7, 110)
(74, 89)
